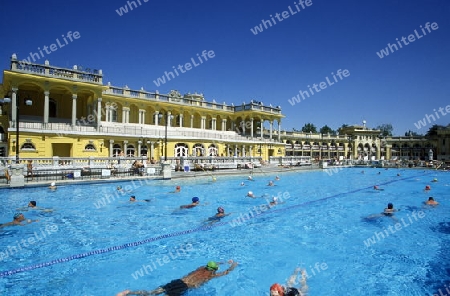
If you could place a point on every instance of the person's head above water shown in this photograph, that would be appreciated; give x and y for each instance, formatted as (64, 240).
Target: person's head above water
(220, 210)
(212, 266)
(390, 206)
(276, 290)
(18, 217)
(32, 204)
(195, 199)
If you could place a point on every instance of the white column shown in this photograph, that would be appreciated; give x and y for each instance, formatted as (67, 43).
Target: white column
(192, 121)
(107, 113)
(279, 130)
(224, 124)
(251, 128)
(74, 109)
(169, 122)
(262, 131)
(125, 147)
(111, 143)
(235, 150)
(243, 150)
(13, 105)
(125, 115)
(181, 120)
(156, 118)
(251, 151)
(152, 149)
(214, 123)
(139, 149)
(141, 116)
(144, 113)
(46, 103)
(271, 129)
(203, 125)
(99, 112)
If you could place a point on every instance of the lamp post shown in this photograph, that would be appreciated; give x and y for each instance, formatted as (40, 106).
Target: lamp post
(167, 117)
(258, 129)
(28, 103)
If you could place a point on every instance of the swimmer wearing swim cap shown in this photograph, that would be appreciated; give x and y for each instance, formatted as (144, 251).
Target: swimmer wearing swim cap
(52, 186)
(194, 279)
(195, 202)
(289, 290)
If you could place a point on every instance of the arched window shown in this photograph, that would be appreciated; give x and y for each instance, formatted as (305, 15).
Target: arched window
(28, 146)
(181, 149)
(117, 150)
(130, 151)
(212, 150)
(144, 150)
(89, 147)
(198, 150)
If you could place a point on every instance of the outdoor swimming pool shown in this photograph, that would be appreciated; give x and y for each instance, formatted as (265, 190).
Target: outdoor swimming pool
(80, 248)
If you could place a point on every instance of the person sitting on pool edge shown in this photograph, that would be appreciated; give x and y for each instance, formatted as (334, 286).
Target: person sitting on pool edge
(431, 201)
(194, 279)
(278, 290)
(17, 220)
(195, 202)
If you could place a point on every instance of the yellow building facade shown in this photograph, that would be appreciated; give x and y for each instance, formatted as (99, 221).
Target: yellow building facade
(74, 114)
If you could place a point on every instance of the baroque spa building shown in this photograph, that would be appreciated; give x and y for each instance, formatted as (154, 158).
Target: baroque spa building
(74, 114)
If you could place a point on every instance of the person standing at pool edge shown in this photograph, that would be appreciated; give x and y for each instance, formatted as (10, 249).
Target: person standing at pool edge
(194, 279)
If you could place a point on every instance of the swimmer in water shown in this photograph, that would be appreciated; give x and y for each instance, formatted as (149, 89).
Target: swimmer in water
(193, 280)
(431, 202)
(17, 221)
(195, 202)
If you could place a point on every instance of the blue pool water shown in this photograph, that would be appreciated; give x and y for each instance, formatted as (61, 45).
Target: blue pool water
(84, 247)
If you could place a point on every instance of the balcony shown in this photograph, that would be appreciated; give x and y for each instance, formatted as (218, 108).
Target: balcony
(133, 130)
(88, 75)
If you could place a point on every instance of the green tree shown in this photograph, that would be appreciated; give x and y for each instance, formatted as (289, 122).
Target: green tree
(410, 133)
(309, 128)
(327, 130)
(385, 130)
(433, 130)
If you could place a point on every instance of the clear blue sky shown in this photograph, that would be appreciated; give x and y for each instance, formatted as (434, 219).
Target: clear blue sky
(138, 47)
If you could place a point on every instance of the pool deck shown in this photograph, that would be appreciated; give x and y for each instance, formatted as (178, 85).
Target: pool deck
(265, 170)
(270, 169)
